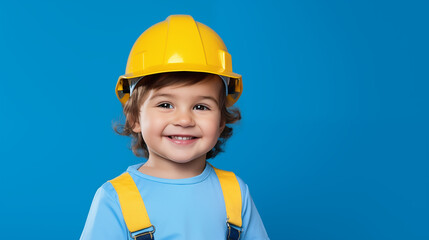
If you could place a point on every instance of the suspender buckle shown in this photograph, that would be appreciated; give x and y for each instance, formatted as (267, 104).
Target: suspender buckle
(234, 232)
(145, 235)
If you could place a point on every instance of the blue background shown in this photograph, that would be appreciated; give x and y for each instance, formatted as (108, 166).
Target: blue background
(334, 138)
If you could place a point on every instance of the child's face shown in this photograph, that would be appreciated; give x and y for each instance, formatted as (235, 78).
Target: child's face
(181, 123)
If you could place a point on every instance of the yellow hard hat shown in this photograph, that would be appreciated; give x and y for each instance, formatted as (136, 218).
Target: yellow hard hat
(179, 44)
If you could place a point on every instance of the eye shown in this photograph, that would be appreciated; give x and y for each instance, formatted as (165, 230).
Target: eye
(201, 107)
(165, 105)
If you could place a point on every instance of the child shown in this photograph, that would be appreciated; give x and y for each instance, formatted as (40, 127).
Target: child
(175, 93)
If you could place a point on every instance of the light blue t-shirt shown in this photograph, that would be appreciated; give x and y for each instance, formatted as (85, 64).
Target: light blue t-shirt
(180, 209)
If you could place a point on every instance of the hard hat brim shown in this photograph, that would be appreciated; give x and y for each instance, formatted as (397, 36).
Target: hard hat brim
(178, 67)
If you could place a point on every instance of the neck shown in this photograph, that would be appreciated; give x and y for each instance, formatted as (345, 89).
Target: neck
(173, 170)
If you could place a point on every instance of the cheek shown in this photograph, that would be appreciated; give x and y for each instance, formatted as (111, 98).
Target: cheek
(212, 129)
(151, 127)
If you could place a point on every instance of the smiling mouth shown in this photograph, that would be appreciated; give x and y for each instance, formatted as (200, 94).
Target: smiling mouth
(182, 137)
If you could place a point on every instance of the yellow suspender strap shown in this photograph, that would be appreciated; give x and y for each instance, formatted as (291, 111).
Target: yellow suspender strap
(231, 195)
(133, 209)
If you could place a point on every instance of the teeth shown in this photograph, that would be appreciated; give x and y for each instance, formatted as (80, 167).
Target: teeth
(182, 138)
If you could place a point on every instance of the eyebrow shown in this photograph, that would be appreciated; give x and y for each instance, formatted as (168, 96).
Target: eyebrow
(157, 95)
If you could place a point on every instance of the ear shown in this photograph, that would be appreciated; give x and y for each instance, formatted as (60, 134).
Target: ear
(137, 128)
(221, 127)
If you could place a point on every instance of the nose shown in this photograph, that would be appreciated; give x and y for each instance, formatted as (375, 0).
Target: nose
(184, 119)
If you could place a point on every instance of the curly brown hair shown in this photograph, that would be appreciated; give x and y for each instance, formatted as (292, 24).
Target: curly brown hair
(157, 81)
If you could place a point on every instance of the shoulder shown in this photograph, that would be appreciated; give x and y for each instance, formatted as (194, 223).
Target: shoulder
(244, 190)
(106, 192)
(222, 172)
(123, 178)
(232, 176)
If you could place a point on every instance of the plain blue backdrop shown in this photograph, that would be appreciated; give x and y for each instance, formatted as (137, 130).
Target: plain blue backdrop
(334, 141)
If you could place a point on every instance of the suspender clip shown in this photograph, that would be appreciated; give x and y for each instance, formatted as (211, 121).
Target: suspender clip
(234, 232)
(145, 235)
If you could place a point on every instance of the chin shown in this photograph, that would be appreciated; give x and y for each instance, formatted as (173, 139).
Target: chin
(186, 159)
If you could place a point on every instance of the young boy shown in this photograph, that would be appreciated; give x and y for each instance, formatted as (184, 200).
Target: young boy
(175, 94)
